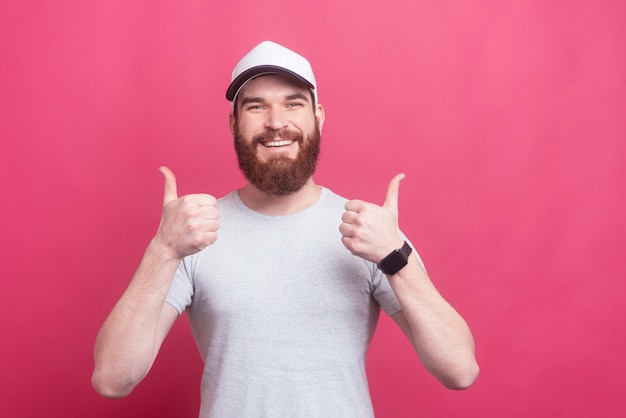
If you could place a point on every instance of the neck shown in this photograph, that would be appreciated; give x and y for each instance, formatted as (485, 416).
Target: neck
(272, 205)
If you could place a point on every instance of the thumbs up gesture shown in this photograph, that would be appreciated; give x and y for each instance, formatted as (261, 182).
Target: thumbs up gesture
(189, 223)
(371, 231)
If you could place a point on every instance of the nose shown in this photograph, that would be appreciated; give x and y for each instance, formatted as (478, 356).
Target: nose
(276, 119)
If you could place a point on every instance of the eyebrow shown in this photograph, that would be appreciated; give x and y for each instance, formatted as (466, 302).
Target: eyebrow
(247, 100)
(298, 96)
(295, 96)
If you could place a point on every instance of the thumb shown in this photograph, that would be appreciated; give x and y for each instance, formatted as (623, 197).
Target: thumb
(169, 192)
(391, 200)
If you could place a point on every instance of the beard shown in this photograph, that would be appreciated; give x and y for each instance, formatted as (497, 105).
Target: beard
(278, 176)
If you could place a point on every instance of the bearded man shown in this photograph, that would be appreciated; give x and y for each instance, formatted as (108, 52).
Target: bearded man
(284, 303)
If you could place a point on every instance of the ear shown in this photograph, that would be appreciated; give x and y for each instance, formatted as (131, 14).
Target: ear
(232, 121)
(320, 116)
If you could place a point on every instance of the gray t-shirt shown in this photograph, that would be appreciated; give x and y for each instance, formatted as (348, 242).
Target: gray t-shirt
(282, 314)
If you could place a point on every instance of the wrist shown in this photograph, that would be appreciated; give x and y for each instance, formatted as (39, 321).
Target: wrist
(395, 260)
(162, 250)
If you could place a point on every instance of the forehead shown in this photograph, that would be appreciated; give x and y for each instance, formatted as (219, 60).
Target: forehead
(272, 85)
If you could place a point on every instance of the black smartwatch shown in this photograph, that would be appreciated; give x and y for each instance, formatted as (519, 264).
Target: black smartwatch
(397, 259)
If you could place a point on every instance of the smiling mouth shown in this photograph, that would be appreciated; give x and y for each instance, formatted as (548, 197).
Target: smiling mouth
(281, 143)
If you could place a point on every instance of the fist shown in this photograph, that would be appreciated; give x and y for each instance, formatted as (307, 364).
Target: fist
(371, 231)
(188, 223)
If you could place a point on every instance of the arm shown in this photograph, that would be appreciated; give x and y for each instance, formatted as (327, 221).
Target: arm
(439, 335)
(132, 334)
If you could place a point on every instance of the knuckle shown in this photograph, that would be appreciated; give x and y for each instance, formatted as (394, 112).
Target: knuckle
(189, 213)
(193, 226)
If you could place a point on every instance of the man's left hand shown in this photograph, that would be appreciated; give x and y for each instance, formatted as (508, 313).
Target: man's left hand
(371, 231)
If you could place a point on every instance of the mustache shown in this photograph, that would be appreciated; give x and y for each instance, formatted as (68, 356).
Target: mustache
(286, 134)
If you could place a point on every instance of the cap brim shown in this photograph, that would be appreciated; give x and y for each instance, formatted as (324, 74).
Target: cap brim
(253, 72)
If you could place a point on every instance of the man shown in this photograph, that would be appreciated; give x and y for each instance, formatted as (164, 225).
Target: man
(284, 303)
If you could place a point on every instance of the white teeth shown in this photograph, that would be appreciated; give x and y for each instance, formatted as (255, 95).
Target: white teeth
(278, 143)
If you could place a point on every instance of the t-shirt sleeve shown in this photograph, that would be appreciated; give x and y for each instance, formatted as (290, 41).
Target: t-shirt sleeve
(181, 289)
(383, 293)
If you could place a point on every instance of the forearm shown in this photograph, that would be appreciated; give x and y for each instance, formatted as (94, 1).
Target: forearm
(129, 339)
(440, 336)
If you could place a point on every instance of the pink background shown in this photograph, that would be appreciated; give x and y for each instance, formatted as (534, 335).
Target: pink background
(508, 118)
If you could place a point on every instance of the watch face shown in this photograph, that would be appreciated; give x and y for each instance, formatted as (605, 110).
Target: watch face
(395, 260)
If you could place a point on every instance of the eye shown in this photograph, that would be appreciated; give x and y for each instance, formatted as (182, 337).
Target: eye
(255, 107)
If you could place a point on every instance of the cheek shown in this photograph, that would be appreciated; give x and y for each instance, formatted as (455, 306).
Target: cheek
(305, 123)
(250, 127)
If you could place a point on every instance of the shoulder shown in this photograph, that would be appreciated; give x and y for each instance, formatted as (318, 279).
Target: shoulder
(228, 199)
(332, 199)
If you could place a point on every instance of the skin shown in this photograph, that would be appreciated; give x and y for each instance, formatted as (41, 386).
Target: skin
(273, 103)
(132, 334)
(439, 335)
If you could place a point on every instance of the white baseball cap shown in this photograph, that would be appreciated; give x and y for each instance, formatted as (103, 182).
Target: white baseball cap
(270, 58)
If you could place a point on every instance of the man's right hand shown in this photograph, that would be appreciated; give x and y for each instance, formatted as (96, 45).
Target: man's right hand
(189, 223)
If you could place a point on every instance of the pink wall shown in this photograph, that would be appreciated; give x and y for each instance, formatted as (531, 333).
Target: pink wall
(508, 118)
